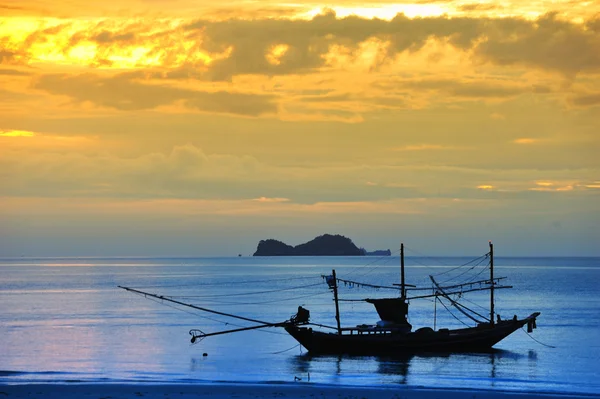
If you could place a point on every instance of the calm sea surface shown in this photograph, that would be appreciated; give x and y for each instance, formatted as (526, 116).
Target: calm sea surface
(64, 319)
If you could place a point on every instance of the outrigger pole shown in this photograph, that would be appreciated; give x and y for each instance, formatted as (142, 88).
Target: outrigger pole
(161, 297)
(195, 333)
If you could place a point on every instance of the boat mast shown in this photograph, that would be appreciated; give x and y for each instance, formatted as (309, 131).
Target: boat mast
(402, 282)
(492, 283)
(337, 306)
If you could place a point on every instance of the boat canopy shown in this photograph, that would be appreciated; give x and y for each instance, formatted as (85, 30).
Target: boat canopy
(393, 310)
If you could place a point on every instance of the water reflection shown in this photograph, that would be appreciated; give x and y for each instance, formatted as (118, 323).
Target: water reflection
(396, 366)
(341, 365)
(486, 367)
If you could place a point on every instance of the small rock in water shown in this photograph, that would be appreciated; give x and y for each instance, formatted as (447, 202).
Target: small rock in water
(205, 354)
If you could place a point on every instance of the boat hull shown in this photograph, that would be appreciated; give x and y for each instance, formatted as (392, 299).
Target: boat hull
(374, 342)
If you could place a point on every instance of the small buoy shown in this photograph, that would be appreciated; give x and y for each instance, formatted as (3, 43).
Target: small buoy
(205, 354)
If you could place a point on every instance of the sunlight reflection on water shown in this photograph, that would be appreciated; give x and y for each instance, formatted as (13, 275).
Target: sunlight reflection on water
(67, 322)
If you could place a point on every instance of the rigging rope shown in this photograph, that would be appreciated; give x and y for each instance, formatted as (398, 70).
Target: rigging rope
(479, 273)
(541, 343)
(265, 302)
(358, 284)
(372, 264)
(453, 315)
(285, 350)
(409, 249)
(227, 282)
(463, 265)
(206, 317)
(481, 259)
(242, 293)
(475, 303)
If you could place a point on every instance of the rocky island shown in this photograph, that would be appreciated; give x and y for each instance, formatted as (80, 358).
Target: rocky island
(325, 245)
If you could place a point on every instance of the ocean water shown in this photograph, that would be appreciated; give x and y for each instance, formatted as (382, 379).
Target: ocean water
(65, 319)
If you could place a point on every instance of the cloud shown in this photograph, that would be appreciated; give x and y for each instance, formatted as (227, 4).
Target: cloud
(6, 56)
(548, 43)
(54, 166)
(111, 37)
(123, 93)
(478, 7)
(422, 147)
(507, 41)
(267, 199)
(544, 186)
(468, 89)
(16, 133)
(13, 72)
(33, 141)
(183, 172)
(587, 100)
(10, 7)
(223, 49)
(525, 140)
(220, 207)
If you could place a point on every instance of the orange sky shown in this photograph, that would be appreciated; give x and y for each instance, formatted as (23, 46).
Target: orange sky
(155, 127)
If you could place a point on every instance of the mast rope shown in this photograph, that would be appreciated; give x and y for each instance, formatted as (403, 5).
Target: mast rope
(379, 258)
(480, 272)
(463, 265)
(422, 255)
(369, 272)
(481, 259)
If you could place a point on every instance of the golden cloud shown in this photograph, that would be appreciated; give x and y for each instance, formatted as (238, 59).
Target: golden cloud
(223, 49)
(267, 199)
(421, 147)
(27, 140)
(525, 140)
(586, 100)
(563, 185)
(16, 133)
(123, 92)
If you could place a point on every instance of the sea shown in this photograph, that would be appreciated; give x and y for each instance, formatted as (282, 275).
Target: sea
(66, 320)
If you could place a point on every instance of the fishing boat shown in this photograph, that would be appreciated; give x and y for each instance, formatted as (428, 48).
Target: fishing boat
(393, 334)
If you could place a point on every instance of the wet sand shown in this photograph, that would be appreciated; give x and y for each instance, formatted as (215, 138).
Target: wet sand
(256, 391)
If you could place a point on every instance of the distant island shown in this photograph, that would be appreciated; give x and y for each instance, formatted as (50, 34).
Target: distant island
(325, 245)
(378, 252)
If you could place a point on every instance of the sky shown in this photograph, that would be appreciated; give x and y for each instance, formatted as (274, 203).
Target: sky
(198, 128)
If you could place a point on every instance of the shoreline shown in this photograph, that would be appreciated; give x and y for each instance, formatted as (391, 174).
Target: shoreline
(74, 390)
